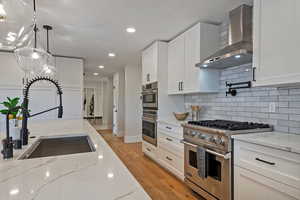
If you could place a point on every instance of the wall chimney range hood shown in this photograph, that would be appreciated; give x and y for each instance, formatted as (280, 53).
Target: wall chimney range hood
(240, 45)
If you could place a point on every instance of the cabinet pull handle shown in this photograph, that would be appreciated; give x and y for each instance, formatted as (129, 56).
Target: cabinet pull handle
(169, 139)
(178, 86)
(264, 161)
(148, 149)
(253, 73)
(181, 85)
(168, 158)
(167, 127)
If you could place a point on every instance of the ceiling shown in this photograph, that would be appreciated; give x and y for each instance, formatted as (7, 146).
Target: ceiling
(93, 28)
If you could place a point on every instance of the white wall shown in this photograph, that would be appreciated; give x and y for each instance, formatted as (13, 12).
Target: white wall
(107, 103)
(133, 104)
(43, 95)
(121, 107)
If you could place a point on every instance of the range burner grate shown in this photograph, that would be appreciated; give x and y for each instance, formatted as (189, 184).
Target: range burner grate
(229, 125)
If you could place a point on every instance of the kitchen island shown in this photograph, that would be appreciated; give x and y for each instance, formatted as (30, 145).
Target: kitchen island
(94, 175)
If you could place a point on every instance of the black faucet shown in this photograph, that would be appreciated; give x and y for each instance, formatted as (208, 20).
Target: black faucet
(24, 130)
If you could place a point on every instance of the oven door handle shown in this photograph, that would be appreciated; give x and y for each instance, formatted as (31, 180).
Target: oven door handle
(147, 119)
(226, 156)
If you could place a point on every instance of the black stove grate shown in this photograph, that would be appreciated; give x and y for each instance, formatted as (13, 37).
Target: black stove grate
(229, 125)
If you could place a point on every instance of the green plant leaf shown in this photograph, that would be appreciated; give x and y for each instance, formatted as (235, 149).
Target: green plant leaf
(4, 112)
(6, 104)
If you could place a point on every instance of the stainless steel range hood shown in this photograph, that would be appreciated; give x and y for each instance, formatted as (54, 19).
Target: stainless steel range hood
(240, 46)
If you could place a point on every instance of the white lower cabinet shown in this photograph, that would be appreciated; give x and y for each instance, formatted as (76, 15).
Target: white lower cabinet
(149, 150)
(265, 173)
(171, 162)
(170, 149)
(169, 152)
(249, 185)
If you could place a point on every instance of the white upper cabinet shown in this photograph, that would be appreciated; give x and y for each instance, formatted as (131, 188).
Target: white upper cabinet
(175, 64)
(185, 52)
(150, 64)
(276, 42)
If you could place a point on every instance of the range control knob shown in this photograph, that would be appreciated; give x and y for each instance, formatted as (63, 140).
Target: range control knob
(201, 136)
(222, 141)
(214, 139)
(193, 133)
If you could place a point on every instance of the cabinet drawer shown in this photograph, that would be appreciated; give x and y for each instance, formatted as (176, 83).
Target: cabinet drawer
(252, 186)
(171, 162)
(171, 130)
(278, 165)
(170, 144)
(149, 150)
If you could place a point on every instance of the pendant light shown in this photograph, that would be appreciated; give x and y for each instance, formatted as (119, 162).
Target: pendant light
(49, 68)
(16, 23)
(32, 57)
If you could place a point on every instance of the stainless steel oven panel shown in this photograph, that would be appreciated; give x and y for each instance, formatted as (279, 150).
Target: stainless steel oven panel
(151, 140)
(220, 189)
(150, 90)
(154, 103)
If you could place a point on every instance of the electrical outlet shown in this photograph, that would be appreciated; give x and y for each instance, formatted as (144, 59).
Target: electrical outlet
(272, 107)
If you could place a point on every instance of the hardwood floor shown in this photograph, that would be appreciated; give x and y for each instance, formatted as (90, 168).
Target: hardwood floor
(156, 181)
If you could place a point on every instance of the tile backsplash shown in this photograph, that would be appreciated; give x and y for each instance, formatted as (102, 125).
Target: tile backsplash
(251, 104)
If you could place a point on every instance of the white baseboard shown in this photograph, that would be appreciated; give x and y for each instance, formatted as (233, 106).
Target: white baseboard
(120, 133)
(133, 139)
(104, 127)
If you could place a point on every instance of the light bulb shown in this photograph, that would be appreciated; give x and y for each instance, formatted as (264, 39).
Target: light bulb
(35, 55)
(3, 14)
(47, 70)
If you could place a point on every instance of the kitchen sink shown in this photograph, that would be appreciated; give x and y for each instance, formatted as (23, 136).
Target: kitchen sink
(59, 145)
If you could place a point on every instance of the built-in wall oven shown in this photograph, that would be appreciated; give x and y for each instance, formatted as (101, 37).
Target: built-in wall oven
(150, 107)
(149, 126)
(150, 96)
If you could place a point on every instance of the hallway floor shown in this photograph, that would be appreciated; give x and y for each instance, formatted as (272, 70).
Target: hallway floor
(157, 182)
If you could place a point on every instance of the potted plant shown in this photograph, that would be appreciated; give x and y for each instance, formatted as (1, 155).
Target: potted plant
(11, 111)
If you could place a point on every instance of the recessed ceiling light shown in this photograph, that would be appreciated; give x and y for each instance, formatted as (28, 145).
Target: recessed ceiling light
(204, 65)
(111, 54)
(96, 74)
(101, 67)
(131, 30)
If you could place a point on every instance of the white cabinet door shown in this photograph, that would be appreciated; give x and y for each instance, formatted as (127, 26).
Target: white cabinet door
(150, 64)
(154, 63)
(145, 67)
(249, 186)
(192, 57)
(176, 65)
(276, 42)
(201, 41)
(11, 73)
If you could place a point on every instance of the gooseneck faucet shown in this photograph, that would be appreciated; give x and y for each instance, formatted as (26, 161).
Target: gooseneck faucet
(24, 130)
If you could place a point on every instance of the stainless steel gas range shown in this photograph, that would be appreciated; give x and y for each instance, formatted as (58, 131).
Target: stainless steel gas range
(208, 155)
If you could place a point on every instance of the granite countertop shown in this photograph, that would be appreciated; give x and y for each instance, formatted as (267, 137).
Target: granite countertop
(94, 175)
(277, 140)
